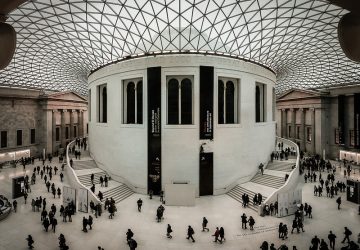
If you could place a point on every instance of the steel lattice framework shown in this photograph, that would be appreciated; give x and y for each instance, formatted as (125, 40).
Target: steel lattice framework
(59, 42)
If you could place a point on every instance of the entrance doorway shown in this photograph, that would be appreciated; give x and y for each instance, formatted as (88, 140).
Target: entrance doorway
(206, 174)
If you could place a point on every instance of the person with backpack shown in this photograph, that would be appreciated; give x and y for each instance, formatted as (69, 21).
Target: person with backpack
(190, 233)
(347, 234)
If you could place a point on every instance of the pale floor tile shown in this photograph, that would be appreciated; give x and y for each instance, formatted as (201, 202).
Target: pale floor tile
(220, 211)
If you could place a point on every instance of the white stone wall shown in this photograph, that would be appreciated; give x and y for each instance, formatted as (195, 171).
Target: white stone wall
(121, 149)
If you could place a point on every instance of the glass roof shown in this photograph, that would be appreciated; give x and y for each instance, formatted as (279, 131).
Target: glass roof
(59, 42)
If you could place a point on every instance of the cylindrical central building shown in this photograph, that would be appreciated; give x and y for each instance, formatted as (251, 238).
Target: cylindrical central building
(200, 119)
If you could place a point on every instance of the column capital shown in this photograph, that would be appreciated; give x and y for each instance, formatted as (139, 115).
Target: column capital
(55, 110)
(64, 110)
(312, 109)
(301, 109)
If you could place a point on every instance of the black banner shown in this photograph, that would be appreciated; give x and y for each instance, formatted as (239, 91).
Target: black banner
(357, 120)
(206, 102)
(341, 118)
(154, 129)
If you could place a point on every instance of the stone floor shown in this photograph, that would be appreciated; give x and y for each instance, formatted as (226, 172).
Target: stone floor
(219, 210)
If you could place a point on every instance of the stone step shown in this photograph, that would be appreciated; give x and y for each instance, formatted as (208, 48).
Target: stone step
(118, 193)
(269, 180)
(86, 179)
(237, 192)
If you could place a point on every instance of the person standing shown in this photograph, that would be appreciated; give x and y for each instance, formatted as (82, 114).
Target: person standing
(132, 244)
(90, 221)
(53, 224)
(251, 223)
(92, 178)
(243, 221)
(338, 201)
(59, 192)
(61, 176)
(84, 223)
(106, 181)
(129, 235)
(25, 196)
(169, 231)
(15, 205)
(101, 181)
(139, 204)
(204, 224)
(332, 238)
(190, 233)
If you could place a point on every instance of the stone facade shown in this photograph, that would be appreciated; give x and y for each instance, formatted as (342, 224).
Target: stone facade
(24, 110)
(317, 123)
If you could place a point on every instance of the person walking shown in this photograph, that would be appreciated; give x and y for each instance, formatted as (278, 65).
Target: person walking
(90, 221)
(59, 192)
(132, 244)
(53, 224)
(15, 205)
(169, 231)
(222, 234)
(139, 204)
(129, 235)
(84, 224)
(25, 196)
(332, 238)
(30, 241)
(190, 233)
(61, 176)
(216, 235)
(204, 224)
(347, 234)
(92, 178)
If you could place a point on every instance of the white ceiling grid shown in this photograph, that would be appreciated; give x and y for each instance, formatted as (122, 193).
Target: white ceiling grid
(59, 42)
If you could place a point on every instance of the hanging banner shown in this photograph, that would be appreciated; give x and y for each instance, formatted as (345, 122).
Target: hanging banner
(83, 200)
(206, 102)
(69, 196)
(357, 120)
(341, 118)
(154, 129)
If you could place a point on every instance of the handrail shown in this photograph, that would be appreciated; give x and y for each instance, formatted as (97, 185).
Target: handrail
(75, 175)
(292, 180)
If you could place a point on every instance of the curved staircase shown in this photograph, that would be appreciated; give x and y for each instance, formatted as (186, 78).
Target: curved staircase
(86, 166)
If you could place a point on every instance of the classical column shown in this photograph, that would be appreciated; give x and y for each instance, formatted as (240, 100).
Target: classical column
(63, 128)
(54, 112)
(81, 123)
(313, 129)
(283, 123)
(293, 128)
(302, 129)
(72, 124)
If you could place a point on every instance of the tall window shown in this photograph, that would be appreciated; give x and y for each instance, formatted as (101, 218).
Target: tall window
(3, 139)
(102, 103)
(227, 101)
(260, 101)
(75, 131)
(57, 134)
(308, 134)
(32, 136)
(179, 100)
(89, 104)
(289, 131)
(19, 137)
(133, 101)
(273, 104)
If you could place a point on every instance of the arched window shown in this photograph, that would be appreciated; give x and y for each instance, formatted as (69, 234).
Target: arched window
(139, 102)
(173, 101)
(260, 93)
(228, 89)
(221, 114)
(130, 103)
(230, 102)
(133, 101)
(102, 103)
(186, 101)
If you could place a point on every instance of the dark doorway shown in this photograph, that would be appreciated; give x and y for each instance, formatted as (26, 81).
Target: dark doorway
(206, 174)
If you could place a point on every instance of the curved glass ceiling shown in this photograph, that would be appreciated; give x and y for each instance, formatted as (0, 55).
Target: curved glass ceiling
(60, 42)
